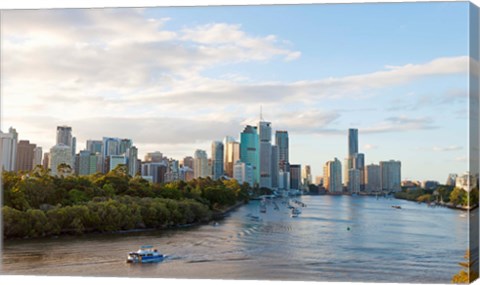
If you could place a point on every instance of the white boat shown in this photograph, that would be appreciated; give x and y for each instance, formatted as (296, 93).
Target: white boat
(146, 254)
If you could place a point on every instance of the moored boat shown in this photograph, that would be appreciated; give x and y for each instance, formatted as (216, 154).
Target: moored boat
(146, 254)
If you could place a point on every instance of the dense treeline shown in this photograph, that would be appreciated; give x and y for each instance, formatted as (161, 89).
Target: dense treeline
(38, 204)
(447, 194)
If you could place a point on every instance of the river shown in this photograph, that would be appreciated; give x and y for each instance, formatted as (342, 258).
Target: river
(336, 238)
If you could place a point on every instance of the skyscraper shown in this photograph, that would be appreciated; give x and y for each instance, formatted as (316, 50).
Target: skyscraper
(332, 176)
(391, 175)
(265, 155)
(217, 159)
(188, 162)
(24, 156)
(110, 146)
(354, 181)
(249, 150)
(8, 148)
(306, 176)
(200, 164)
(94, 146)
(86, 162)
(154, 157)
(60, 154)
(37, 156)
(359, 163)
(132, 160)
(281, 140)
(373, 178)
(295, 176)
(243, 172)
(275, 168)
(352, 142)
(124, 145)
(231, 154)
(64, 135)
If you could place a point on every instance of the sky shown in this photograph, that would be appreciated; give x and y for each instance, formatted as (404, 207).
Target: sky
(175, 79)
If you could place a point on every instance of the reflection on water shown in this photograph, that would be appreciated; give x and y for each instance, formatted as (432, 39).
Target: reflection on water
(336, 238)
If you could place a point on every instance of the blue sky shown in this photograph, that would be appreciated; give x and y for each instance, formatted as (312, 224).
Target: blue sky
(174, 79)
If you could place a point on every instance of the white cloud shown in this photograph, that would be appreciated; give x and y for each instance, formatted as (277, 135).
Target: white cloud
(370, 146)
(447, 148)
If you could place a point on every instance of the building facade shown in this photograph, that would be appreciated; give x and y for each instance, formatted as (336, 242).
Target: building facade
(200, 164)
(217, 160)
(249, 150)
(373, 178)
(60, 154)
(25, 156)
(8, 148)
(332, 176)
(391, 175)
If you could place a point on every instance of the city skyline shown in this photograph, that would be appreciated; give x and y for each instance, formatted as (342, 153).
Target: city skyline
(211, 85)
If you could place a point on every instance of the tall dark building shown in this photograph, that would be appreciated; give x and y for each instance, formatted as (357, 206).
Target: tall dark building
(281, 140)
(295, 176)
(352, 142)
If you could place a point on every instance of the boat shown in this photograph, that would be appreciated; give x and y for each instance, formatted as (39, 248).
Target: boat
(146, 254)
(295, 212)
(396, 207)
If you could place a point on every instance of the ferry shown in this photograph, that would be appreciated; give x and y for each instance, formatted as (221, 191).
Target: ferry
(146, 254)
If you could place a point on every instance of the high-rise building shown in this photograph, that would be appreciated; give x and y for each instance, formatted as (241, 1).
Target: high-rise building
(86, 162)
(359, 163)
(173, 171)
(24, 156)
(275, 168)
(46, 160)
(94, 146)
(373, 178)
(116, 160)
(74, 146)
(132, 160)
(249, 150)
(332, 176)
(281, 140)
(451, 180)
(283, 180)
(354, 181)
(8, 149)
(110, 146)
(243, 172)
(265, 154)
(391, 175)
(154, 171)
(306, 176)
(200, 164)
(60, 154)
(295, 176)
(188, 162)
(231, 154)
(124, 145)
(352, 142)
(37, 156)
(217, 160)
(64, 136)
(154, 157)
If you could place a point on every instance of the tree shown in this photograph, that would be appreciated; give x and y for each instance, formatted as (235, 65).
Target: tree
(467, 274)
(64, 169)
(457, 196)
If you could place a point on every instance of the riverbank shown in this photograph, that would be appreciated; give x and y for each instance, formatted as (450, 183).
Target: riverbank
(215, 216)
